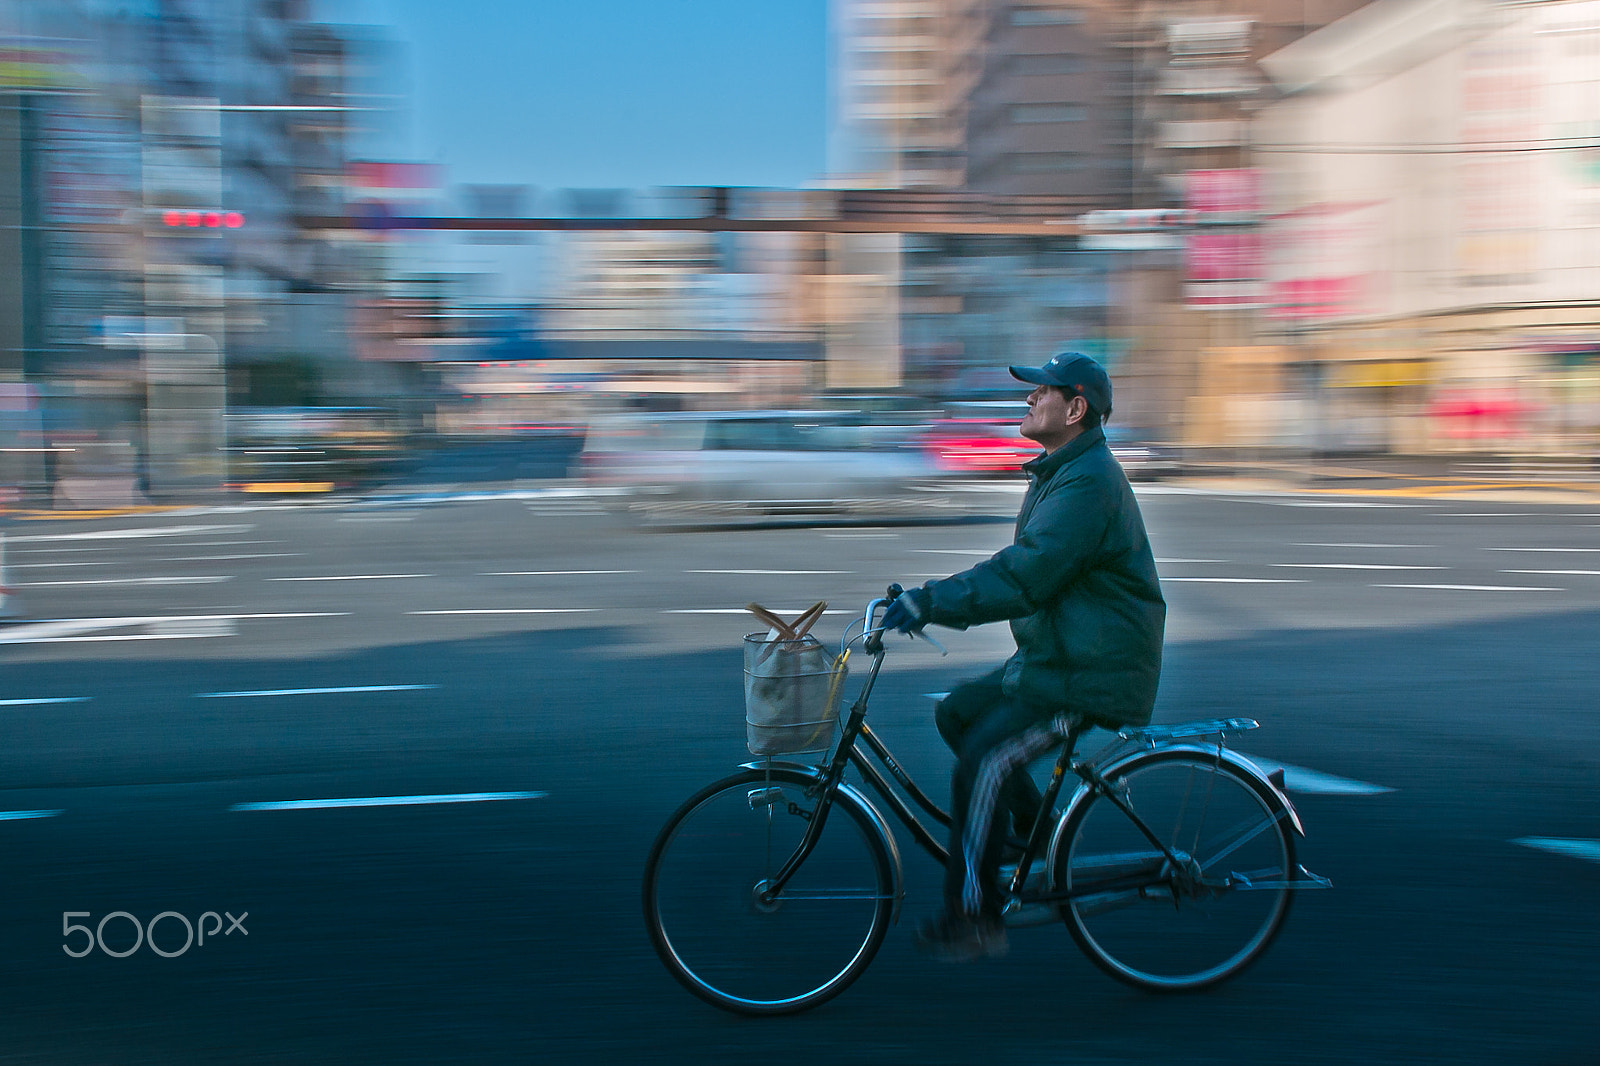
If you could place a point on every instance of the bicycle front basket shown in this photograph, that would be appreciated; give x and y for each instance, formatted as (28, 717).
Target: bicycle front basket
(792, 690)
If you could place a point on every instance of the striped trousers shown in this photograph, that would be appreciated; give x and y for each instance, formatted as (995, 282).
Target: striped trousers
(994, 739)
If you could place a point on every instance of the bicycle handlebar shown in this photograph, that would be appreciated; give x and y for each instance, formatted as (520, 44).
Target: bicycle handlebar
(872, 643)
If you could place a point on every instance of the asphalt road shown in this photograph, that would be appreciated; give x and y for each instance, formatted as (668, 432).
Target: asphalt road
(1427, 668)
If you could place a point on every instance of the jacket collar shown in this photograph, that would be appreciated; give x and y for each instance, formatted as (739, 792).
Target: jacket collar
(1046, 465)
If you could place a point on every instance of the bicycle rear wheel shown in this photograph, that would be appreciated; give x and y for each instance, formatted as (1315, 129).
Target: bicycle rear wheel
(703, 894)
(1167, 928)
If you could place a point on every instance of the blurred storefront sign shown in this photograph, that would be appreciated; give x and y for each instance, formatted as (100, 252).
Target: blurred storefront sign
(1225, 267)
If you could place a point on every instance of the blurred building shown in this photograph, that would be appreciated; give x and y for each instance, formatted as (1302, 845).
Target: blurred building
(1435, 227)
(1091, 106)
(159, 157)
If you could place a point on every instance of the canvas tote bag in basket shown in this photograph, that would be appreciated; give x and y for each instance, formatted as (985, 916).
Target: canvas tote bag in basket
(792, 685)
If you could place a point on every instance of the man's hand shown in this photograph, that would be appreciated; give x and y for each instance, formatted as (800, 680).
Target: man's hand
(905, 614)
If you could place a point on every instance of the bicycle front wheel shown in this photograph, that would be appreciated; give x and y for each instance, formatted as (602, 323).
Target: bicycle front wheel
(712, 922)
(1168, 926)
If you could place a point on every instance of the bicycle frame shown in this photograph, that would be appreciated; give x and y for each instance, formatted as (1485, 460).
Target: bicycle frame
(1090, 771)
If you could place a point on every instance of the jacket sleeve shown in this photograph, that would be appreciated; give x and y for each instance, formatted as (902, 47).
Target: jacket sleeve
(1057, 545)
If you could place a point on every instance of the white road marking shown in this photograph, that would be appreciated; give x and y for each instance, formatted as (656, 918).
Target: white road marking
(46, 699)
(775, 572)
(1359, 545)
(1476, 588)
(68, 629)
(1179, 562)
(76, 562)
(220, 558)
(1321, 503)
(386, 801)
(312, 691)
(1315, 782)
(1544, 549)
(1241, 580)
(1360, 566)
(553, 573)
(1584, 573)
(129, 582)
(126, 534)
(515, 610)
(1488, 514)
(350, 577)
(742, 610)
(13, 816)
(1576, 847)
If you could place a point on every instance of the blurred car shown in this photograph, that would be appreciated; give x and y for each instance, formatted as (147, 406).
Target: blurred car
(978, 446)
(763, 465)
(282, 450)
(1142, 457)
(992, 446)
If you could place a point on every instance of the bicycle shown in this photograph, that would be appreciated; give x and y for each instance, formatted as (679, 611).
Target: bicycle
(1172, 864)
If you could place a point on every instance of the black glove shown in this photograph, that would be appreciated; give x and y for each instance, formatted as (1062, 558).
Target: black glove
(906, 614)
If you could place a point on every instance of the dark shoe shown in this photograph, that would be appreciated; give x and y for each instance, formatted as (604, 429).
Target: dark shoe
(959, 938)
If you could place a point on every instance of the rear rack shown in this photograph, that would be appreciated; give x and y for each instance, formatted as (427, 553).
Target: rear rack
(1206, 728)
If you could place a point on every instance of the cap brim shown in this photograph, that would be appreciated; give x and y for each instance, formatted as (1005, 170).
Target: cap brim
(1031, 374)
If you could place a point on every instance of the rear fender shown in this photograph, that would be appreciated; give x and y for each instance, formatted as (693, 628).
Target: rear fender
(1276, 795)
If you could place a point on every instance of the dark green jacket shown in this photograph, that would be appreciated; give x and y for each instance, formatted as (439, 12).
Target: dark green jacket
(1079, 586)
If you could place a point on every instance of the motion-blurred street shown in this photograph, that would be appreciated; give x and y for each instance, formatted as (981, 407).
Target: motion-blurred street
(1424, 668)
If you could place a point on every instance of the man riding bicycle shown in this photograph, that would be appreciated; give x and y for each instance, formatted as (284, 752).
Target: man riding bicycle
(1079, 585)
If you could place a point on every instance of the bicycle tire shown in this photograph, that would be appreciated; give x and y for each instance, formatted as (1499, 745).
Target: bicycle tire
(714, 935)
(1163, 930)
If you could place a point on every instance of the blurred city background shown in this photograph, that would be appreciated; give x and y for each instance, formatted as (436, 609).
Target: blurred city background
(1291, 228)
(401, 402)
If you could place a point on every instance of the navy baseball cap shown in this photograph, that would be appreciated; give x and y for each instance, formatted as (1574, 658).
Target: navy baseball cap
(1077, 374)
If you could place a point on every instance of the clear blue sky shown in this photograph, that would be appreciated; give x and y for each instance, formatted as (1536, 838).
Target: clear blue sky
(612, 93)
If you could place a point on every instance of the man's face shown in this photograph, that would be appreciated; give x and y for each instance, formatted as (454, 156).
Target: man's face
(1052, 419)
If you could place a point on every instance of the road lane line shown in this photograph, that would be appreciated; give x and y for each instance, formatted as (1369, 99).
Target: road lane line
(75, 562)
(357, 577)
(220, 558)
(553, 573)
(386, 801)
(13, 816)
(514, 610)
(1359, 566)
(744, 610)
(1315, 782)
(129, 534)
(63, 628)
(125, 581)
(312, 691)
(1240, 580)
(1474, 588)
(1575, 847)
(1361, 545)
(1582, 573)
(45, 699)
(1544, 549)
(771, 572)
(1179, 562)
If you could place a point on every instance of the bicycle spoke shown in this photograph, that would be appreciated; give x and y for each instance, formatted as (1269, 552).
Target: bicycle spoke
(1163, 923)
